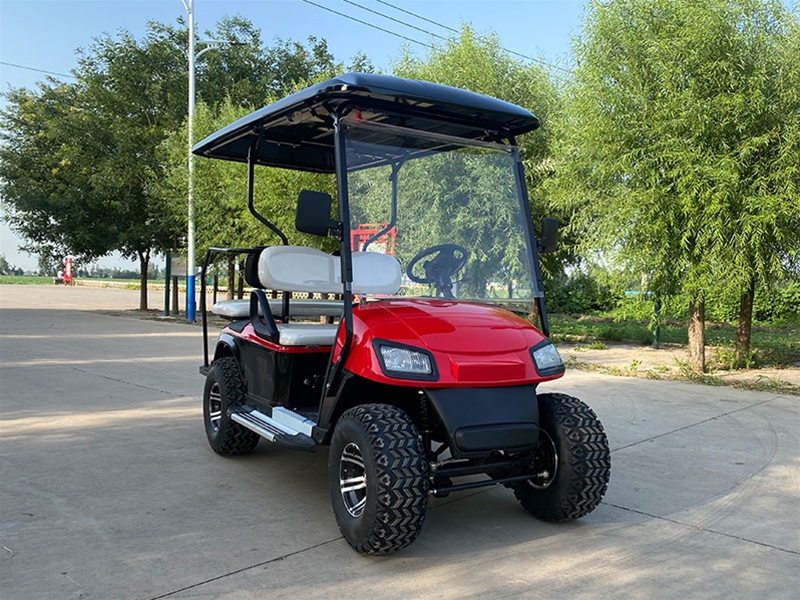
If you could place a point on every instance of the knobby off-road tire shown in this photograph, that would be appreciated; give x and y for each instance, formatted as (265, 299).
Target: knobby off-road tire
(225, 389)
(582, 466)
(379, 478)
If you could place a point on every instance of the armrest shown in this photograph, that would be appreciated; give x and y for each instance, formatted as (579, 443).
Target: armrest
(263, 323)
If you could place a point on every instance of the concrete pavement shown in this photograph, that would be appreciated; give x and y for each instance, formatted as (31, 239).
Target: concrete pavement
(108, 488)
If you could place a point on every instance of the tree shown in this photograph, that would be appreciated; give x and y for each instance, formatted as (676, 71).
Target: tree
(478, 63)
(220, 187)
(5, 267)
(761, 217)
(671, 133)
(46, 177)
(247, 73)
(80, 163)
(77, 159)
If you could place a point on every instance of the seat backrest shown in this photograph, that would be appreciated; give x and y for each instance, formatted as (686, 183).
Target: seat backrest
(299, 269)
(375, 273)
(302, 269)
(251, 267)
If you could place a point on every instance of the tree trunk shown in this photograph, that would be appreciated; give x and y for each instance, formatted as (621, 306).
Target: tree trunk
(240, 287)
(175, 296)
(697, 335)
(144, 261)
(536, 314)
(231, 277)
(745, 325)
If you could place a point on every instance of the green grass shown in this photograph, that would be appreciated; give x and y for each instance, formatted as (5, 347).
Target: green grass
(25, 279)
(770, 345)
(45, 280)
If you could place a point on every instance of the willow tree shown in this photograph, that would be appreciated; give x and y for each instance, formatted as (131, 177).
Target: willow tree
(675, 118)
(758, 218)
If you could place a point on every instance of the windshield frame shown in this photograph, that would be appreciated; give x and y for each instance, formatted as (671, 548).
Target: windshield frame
(441, 144)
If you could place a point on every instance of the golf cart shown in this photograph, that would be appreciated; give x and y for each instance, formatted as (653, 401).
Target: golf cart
(406, 350)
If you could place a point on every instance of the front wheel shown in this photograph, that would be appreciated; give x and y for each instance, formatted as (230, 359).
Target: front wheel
(379, 478)
(572, 463)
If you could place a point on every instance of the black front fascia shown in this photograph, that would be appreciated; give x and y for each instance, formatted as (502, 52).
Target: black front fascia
(479, 421)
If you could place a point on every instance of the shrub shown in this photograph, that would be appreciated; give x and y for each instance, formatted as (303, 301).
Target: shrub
(577, 293)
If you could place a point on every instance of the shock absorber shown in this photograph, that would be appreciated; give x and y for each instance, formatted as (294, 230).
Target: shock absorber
(425, 424)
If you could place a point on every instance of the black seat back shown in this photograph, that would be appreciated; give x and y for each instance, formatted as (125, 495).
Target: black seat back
(251, 268)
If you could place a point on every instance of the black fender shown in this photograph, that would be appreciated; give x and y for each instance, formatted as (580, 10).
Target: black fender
(228, 345)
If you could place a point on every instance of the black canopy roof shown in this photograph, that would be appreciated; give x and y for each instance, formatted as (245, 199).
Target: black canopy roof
(297, 131)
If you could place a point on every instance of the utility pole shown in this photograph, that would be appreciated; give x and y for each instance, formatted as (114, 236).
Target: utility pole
(191, 263)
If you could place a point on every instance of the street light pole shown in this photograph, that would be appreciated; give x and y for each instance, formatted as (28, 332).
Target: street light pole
(191, 266)
(190, 260)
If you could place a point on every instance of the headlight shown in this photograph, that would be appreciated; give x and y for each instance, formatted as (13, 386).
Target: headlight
(546, 358)
(405, 362)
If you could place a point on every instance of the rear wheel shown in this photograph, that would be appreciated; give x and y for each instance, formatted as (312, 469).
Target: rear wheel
(572, 464)
(379, 478)
(224, 390)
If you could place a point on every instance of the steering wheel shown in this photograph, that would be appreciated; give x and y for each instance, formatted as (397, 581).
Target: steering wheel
(449, 259)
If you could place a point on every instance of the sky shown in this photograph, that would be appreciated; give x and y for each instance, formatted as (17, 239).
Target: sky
(43, 35)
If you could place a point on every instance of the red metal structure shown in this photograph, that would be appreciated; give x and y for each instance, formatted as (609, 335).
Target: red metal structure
(380, 236)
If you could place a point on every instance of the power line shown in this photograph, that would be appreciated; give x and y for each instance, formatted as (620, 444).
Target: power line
(385, 16)
(408, 12)
(435, 35)
(8, 64)
(346, 16)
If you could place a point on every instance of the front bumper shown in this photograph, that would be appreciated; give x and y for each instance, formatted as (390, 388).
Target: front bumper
(479, 421)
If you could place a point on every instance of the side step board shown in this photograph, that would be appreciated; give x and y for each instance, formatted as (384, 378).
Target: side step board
(284, 427)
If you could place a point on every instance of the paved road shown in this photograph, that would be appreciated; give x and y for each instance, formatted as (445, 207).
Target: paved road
(108, 488)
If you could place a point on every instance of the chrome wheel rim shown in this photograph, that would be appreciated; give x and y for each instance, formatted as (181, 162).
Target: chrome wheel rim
(214, 407)
(353, 480)
(544, 463)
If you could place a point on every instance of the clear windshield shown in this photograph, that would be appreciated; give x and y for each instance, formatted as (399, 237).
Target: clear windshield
(458, 228)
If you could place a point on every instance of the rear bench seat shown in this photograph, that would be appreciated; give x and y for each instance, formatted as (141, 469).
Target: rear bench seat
(240, 309)
(302, 269)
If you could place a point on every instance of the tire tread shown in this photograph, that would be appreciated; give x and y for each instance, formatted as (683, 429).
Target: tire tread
(401, 476)
(233, 438)
(588, 462)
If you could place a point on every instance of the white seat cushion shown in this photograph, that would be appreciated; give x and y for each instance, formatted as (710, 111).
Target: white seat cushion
(307, 334)
(232, 309)
(240, 309)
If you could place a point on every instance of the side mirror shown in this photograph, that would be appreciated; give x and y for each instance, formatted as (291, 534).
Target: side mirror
(314, 213)
(549, 240)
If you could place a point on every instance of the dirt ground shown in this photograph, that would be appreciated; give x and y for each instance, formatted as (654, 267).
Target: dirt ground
(667, 362)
